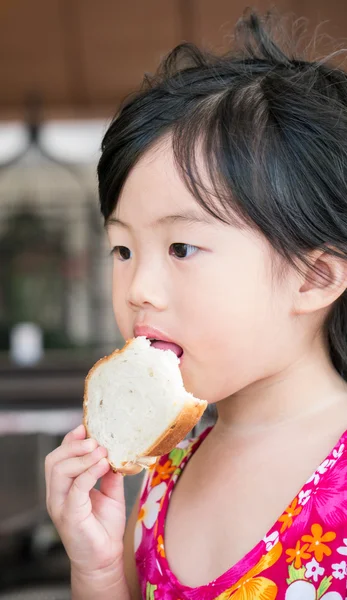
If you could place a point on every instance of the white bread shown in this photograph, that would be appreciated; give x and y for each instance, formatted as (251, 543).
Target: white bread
(135, 405)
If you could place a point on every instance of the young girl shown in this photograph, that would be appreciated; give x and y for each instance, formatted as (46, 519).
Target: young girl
(223, 185)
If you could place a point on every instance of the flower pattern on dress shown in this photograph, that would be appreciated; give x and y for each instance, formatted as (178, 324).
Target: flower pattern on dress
(320, 471)
(328, 498)
(298, 554)
(304, 590)
(338, 453)
(271, 540)
(161, 548)
(313, 570)
(304, 497)
(343, 549)
(251, 586)
(339, 570)
(289, 514)
(162, 473)
(149, 512)
(303, 556)
(319, 542)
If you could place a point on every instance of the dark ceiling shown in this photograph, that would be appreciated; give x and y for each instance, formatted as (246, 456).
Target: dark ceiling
(80, 57)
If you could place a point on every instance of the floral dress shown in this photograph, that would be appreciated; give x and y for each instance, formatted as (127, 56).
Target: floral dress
(303, 556)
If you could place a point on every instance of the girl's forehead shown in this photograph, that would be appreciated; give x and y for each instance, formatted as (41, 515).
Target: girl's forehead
(154, 172)
(188, 217)
(154, 190)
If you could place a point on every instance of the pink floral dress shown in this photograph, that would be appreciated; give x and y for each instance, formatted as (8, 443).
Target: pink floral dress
(303, 556)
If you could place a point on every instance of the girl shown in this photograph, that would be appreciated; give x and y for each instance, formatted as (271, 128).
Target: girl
(223, 185)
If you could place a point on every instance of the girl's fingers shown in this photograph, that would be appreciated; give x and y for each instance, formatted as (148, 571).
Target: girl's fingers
(109, 512)
(112, 486)
(71, 450)
(76, 434)
(73, 467)
(78, 501)
(64, 473)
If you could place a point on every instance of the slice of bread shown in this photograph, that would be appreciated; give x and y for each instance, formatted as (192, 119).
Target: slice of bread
(135, 405)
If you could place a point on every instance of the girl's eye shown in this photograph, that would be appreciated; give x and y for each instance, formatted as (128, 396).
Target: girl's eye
(182, 250)
(121, 252)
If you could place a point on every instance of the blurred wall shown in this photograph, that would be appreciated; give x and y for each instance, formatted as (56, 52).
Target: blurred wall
(83, 56)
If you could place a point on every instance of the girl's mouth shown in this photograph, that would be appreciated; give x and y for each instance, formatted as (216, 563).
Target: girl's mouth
(167, 346)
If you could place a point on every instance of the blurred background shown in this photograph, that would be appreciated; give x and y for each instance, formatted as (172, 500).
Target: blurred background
(64, 67)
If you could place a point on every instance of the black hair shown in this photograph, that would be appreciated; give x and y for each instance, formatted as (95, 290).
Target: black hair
(272, 130)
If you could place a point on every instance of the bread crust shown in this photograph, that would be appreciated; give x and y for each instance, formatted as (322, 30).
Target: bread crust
(175, 433)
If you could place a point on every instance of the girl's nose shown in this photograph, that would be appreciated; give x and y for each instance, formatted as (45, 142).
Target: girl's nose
(147, 288)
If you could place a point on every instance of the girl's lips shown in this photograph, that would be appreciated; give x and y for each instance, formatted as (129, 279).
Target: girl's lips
(161, 345)
(158, 339)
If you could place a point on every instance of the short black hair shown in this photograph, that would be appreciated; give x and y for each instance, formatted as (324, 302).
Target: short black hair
(272, 130)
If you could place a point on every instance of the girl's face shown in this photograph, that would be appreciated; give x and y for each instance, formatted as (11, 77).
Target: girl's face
(207, 286)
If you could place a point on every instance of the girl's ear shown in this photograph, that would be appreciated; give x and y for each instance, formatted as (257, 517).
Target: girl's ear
(321, 283)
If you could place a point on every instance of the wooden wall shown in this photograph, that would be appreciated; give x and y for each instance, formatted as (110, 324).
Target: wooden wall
(82, 56)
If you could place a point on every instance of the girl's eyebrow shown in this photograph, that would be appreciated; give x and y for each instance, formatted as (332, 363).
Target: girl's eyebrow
(186, 217)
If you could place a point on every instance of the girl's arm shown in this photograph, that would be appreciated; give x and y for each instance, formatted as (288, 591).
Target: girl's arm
(108, 586)
(90, 522)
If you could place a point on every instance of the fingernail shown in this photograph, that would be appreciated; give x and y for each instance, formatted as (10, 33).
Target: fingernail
(78, 428)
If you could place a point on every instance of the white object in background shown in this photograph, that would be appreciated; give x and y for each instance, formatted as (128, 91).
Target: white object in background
(50, 421)
(26, 344)
(14, 139)
(74, 141)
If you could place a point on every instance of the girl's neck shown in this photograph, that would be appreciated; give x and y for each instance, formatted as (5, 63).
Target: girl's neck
(306, 389)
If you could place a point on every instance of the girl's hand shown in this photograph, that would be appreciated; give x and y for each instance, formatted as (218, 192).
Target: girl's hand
(90, 522)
